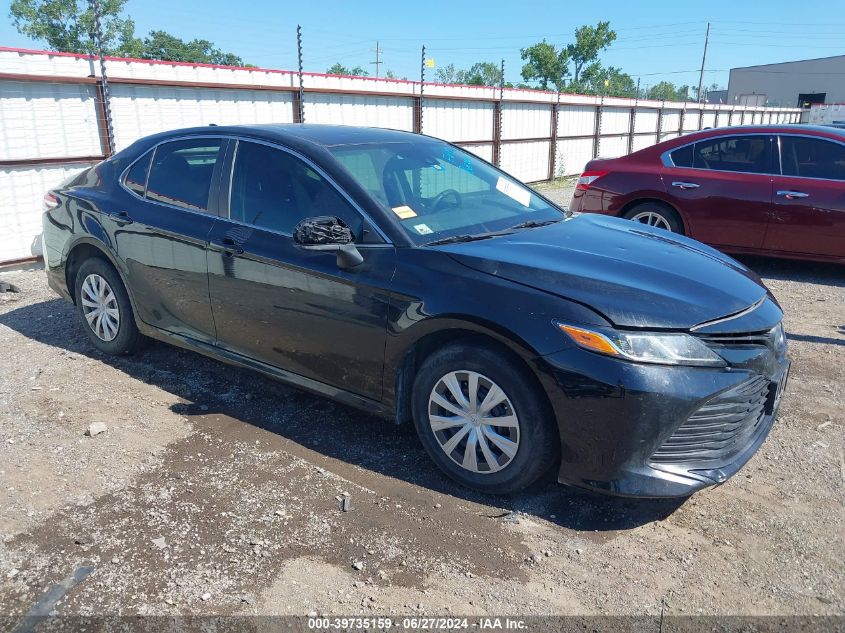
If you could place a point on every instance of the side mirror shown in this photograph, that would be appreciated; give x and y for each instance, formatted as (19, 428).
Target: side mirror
(327, 233)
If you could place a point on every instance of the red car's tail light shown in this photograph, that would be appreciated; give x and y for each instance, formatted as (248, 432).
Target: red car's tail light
(588, 178)
(50, 201)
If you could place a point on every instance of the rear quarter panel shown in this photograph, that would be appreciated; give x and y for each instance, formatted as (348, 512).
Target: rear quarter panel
(628, 180)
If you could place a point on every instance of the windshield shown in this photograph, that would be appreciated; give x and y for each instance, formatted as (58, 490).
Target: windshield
(438, 191)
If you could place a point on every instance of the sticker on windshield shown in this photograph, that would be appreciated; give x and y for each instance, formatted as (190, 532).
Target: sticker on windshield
(404, 212)
(423, 229)
(514, 191)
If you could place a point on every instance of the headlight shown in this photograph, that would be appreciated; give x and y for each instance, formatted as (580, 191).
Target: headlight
(645, 347)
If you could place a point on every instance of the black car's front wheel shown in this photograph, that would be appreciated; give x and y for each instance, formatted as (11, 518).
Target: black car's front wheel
(482, 420)
(104, 306)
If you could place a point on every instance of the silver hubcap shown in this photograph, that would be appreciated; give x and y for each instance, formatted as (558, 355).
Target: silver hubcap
(99, 305)
(474, 421)
(652, 219)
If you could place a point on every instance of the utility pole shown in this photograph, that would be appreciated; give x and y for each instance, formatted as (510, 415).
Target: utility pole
(703, 59)
(378, 61)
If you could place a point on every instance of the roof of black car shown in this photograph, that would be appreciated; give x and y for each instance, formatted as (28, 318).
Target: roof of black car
(325, 135)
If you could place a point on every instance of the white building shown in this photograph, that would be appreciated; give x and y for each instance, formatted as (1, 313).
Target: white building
(789, 84)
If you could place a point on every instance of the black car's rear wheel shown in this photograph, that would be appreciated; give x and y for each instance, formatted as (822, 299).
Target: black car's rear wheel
(656, 214)
(482, 420)
(104, 306)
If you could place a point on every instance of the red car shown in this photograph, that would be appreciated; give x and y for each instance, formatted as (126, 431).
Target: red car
(772, 189)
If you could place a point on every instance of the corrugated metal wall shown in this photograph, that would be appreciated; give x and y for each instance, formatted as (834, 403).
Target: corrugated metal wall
(52, 120)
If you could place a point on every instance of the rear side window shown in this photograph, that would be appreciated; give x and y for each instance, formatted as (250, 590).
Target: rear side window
(812, 158)
(136, 177)
(682, 157)
(749, 154)
(181, 172)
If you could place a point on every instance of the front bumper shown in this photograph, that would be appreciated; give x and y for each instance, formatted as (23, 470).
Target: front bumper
(641, 430)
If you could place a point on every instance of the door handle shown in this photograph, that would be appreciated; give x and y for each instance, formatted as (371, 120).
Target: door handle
(792, 195)
(685, 185)
(226, 245)
(121, 218)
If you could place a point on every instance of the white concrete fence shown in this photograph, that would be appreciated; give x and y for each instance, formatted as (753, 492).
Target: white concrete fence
(52, 119)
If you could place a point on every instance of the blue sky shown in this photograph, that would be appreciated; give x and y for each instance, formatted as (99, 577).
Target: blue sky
(658, 39)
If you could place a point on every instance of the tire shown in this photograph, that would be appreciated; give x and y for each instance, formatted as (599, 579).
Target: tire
(496, 471)
(114, 332)
(656, 214)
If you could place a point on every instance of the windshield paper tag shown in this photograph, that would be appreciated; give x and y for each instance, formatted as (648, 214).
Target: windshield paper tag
(512, 190)
(423, 229)
(404, 212)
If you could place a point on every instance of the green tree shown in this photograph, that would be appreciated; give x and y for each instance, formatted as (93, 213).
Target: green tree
(596, 79)
(481, 74)
(67, 25)
(163, 45)
(663, 91)
(545, 64)
(339, 69)
(589, 42)
(447, 74)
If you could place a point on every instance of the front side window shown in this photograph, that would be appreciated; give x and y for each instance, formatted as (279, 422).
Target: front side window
(812, 158)
(136, 177)
(436, 190)
(181, 172)
(275, 190)
(749, 154)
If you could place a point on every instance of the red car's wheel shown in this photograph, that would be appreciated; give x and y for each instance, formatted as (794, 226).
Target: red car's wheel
(656, 214)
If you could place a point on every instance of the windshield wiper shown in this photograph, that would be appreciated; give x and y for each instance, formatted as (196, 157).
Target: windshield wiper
(531, 224)
(457, 239)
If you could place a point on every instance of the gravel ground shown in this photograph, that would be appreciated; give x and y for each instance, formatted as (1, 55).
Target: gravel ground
(217, 491)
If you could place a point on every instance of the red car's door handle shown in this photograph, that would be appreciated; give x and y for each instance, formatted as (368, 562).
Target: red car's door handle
(685, 185)
(792, 195)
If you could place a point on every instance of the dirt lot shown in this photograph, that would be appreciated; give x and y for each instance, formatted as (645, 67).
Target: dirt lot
(215, 490)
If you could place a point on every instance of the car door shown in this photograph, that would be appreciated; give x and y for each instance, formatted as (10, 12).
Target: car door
(170, 207)
(288, 307)
(809, 205)
(723, 188)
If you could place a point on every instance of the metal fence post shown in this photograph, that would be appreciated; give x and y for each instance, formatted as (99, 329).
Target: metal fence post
(103, 96)
(497, 120)
(422, 90)
(660, 121)
(299, 109)
(597, 128)
(553, 139)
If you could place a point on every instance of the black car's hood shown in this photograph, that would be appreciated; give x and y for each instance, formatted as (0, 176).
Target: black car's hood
(634, 275)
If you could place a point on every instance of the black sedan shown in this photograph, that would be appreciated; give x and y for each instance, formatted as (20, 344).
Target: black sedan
(400, 274)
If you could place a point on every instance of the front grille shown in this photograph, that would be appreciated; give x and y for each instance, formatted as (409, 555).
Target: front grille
(720, 428)
(757, 338)
(774, 339)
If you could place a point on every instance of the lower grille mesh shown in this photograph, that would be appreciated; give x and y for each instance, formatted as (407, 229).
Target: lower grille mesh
(720, 428)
